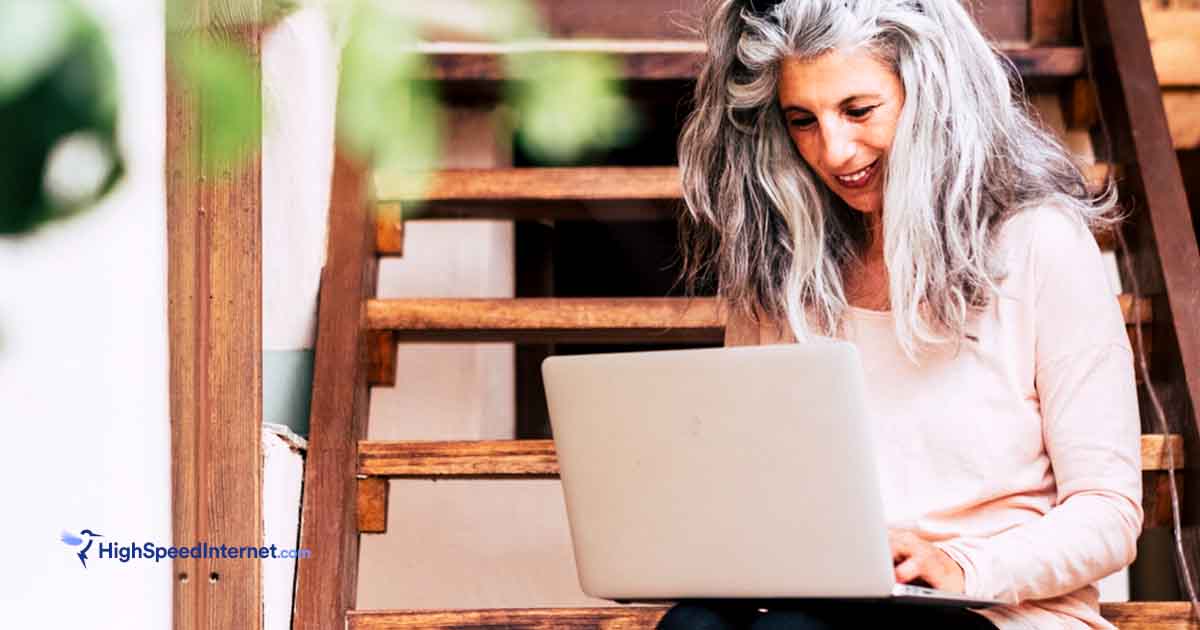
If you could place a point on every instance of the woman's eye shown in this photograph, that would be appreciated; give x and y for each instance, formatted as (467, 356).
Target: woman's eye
(801, 123)
(859, 112)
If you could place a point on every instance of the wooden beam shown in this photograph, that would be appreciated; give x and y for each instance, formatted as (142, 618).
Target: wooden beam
(457, 458)
(502, 458)
(1151, 615)
(381, 358)
(662, 60)
(607, 194)
(214, 281)
(603, 320)
(389, 228)
(1127, 616)
(372, 505)
(1158, 449)
(326, 583)
(514, 185)
(549, 319)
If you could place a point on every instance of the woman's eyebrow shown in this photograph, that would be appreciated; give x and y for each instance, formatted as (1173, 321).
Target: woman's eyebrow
(846, 101)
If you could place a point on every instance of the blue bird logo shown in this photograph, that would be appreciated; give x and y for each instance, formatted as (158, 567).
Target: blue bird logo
(75, 541)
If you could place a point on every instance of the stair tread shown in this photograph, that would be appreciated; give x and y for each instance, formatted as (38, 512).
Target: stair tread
(529, 319)
(629, 318)
(456, 458)
(609, 183)
(596, 193)
(1126, 615)
(661, 59)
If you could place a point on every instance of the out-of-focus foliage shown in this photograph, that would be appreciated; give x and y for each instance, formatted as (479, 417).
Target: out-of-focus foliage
(222, 81)
(58, 106)
(58, 113)
(564, 103)
(382, 113)
(573, 104)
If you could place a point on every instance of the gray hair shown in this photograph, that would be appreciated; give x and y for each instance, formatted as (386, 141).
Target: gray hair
(968, 157)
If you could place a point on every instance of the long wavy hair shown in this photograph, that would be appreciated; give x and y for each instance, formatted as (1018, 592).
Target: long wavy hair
(967, 155)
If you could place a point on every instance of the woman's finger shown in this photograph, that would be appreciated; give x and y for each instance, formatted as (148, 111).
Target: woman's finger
(903, 544)
(910, 570)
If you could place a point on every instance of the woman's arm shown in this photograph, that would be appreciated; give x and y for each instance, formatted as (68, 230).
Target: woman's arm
(1090, 431)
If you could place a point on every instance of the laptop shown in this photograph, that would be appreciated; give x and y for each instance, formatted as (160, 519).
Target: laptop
(741, 472)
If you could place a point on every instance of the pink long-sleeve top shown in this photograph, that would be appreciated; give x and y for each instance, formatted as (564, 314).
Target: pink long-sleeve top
(1020, 457)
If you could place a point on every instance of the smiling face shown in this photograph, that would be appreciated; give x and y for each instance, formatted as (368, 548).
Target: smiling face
(841, 111)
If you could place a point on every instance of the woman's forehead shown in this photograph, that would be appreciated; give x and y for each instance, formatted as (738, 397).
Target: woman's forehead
(828, 80)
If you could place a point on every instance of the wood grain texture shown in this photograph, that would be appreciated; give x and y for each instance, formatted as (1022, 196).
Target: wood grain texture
(626, 319)
(506, 185)
(457, 458)
(1158, 449)
(492, 458)
(1161, 237)
(372, 505)
(214, 277)
(1126, 616)
(381, 358)
(662, 60)
(1151, 615)
(389, 228)
(1175, 62)
(1051, 22)
(326, 583)
(605, 194)
(549, 319)
(1156, 498)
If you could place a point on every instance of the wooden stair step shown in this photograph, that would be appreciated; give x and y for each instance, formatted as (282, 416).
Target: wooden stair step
(599, 193)
(603, 320)
(536, 458)
(659, 59)
(1126, 616)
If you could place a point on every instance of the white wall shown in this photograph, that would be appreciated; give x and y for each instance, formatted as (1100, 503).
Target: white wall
(83, 377)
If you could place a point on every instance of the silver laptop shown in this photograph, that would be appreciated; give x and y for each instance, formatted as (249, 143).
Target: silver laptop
(745, 472)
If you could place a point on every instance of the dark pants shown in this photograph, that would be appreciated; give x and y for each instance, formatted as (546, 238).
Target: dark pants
(714, 614)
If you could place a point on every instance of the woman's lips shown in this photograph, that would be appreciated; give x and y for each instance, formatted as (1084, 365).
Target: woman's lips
(859, 179)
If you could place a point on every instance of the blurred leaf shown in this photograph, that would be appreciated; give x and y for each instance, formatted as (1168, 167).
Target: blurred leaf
(71, 97)
(184, 15)
(383, 113)
(34, 34)
(572, 104)
(224, 80)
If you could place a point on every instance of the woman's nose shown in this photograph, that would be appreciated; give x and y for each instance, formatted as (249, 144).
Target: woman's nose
(841, 145)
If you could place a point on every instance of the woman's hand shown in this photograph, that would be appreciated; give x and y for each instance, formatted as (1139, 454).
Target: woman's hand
(917, 560)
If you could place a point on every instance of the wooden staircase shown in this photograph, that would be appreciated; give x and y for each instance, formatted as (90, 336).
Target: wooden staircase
(346, 479)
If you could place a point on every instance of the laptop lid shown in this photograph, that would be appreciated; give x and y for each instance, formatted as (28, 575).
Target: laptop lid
(722, 472)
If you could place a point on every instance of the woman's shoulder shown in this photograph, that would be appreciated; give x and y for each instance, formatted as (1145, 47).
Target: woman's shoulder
(1046, 233)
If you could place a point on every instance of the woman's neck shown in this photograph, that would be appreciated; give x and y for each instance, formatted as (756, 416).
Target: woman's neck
(866, 283)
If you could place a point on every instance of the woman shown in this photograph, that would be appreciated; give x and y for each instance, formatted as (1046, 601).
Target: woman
(864, 170)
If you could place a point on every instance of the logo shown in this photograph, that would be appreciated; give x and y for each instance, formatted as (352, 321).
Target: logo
(127, 552)
(75, 541)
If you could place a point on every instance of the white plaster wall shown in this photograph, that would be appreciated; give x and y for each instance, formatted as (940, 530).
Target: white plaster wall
(84, 378)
